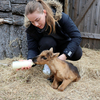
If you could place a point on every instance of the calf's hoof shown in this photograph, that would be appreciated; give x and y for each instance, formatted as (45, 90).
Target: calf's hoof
(54, 86)
(60, 89)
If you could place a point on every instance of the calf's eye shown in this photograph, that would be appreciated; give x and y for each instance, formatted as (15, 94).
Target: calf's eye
(43, 57)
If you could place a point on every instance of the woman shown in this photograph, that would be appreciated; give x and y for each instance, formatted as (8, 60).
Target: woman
(47, 26)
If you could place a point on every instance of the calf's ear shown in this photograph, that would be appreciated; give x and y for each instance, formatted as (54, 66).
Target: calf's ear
(51, 49)
(56, 54)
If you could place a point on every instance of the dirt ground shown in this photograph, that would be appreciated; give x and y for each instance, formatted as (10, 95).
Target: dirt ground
(33, 85)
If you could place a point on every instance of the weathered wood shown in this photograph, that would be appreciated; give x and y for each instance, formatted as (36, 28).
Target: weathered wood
(66, 7)
(70, 10)
(85, 43)
(92, 18)
(96, 15)
(73, 9)
(90, 22)
(90, 35)
(82, 14)
(76, 8)
(99, 18)
(90, 43)
(85, 17)
(90, 40)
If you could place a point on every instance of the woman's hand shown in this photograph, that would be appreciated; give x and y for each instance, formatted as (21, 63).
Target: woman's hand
(62, 57)
(25, 68)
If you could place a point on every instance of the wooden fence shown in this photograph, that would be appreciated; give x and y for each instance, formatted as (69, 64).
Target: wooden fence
(86, 15)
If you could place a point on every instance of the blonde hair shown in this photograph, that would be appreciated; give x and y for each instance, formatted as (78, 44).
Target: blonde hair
(39, 5)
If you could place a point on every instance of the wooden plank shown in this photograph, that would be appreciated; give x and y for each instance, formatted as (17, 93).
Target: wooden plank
(85, 17)
(66, 7)
(99, 19)
(92, 18)
(80, 26)
(96, 44)
(73, 9)
(90, 43)
(97, 16)
(87, 20)
(70, 10)
(85, 43)
(82, 14)
(88, 17)
(80, 6)
(90, 35)
(78, 11)
(76, 8)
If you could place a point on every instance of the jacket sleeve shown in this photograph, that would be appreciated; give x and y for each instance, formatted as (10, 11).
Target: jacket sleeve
(70, 28)
(32, 47)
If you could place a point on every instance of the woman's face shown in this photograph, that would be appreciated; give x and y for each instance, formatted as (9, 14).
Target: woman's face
(38, 19)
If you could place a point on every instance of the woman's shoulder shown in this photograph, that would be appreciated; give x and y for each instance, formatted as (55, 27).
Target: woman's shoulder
(64, 19)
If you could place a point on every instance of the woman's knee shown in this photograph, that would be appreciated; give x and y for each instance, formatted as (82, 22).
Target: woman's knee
(46, 43)
(77, 55)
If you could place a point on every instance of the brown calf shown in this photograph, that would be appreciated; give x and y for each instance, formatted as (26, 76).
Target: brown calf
(63, 72)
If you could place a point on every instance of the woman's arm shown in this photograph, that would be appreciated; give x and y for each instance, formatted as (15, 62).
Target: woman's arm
(32, 47)
(70, 28)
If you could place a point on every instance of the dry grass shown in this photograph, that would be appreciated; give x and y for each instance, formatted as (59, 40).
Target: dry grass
(33, 85)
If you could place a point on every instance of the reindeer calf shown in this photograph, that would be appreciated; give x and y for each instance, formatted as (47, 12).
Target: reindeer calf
(63, 72)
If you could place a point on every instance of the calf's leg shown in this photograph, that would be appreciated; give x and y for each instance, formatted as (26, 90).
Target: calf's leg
(64, 84)
(55, 83)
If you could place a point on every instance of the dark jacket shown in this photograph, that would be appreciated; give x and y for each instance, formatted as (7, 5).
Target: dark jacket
(66, 30)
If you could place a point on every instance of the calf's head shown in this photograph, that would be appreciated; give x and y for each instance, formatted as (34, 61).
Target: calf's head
(45, 57)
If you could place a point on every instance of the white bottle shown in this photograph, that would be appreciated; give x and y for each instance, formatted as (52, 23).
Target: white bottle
(20, 64)
(46, 70)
